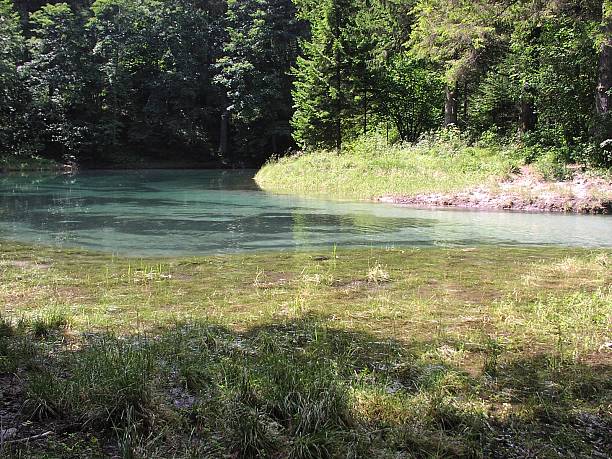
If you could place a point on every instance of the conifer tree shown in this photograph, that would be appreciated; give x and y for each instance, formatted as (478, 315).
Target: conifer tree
(322, 95)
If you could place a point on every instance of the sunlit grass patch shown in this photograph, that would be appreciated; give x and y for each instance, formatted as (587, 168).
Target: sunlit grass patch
(573, 325)
(370, 168)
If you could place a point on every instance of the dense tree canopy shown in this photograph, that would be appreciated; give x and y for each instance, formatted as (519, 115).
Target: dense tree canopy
(261, 47)
(233, 82)
(12, 85)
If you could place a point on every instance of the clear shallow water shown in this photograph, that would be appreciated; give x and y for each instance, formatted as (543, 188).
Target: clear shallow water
(170, 212)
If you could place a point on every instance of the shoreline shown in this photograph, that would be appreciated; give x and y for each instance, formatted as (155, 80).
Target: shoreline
(463, 201)
(441, 176)
(526, 191)
(37, 164)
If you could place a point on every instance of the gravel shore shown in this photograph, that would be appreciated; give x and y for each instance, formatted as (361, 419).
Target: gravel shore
(525, 191)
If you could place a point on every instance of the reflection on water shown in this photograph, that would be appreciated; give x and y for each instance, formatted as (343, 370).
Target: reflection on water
(190, 212)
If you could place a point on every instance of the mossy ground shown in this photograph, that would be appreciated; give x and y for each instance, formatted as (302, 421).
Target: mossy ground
(350, 353)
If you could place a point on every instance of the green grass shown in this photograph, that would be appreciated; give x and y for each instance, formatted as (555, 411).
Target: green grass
(369, 168)
(352, 353)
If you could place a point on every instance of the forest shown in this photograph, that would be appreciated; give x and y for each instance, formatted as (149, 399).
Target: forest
(228, 82)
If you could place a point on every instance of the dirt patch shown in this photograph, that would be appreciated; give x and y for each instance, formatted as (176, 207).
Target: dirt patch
(18, 428)
(525, 191)
(69, 294)
(15, 425)
(10, 400)
(17, 297)
(357, 287)
(601, 358)
(351, 284)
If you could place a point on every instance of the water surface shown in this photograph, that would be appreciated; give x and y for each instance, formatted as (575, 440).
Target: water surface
(169, 212)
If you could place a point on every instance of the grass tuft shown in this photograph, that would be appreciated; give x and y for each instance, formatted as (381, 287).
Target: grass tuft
(45, 323)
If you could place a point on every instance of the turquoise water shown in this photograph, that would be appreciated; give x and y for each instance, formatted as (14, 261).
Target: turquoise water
(170, 212)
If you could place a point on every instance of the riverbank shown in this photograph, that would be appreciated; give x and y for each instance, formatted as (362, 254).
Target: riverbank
(456, 352)
(524, 191)
(443, 174)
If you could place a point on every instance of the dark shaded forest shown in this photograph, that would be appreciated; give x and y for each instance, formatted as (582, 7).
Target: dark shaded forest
(228, 82)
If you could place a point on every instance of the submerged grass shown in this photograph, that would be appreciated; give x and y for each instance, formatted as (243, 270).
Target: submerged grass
(371, 168)
(353, 353)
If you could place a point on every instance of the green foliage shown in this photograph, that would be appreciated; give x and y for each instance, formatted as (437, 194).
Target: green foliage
(344, 86)
(322, 89)
(261, 47)
(455, 34)
(495, 105)
(552, 165)
(412, 97)
(127, 58)
(522, 67)
(59, 77)
(237, 81)
(563, 79)
(13, 90)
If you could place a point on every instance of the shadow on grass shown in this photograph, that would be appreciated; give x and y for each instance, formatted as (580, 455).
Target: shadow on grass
(301, 389)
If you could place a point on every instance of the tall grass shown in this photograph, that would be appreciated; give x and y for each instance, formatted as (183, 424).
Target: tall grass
(369, 168)
(315, 392)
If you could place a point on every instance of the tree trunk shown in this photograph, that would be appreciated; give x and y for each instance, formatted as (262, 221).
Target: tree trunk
(466, 107)
(387, 129)
(604, 81)
(450, 107)
(223, 129)
(338, 78)
(365, 112)
(528, 115)
(338, 108)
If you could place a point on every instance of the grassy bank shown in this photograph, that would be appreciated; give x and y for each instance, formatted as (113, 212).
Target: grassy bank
(352, 353)
(442, 172)
(370, 168)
